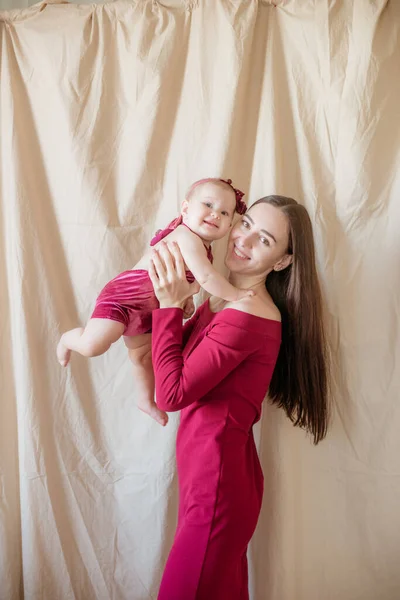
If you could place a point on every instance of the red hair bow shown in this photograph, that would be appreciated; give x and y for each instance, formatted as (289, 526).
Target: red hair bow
(240, 205)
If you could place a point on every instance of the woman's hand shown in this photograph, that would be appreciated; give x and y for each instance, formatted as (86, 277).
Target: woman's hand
(168, 276)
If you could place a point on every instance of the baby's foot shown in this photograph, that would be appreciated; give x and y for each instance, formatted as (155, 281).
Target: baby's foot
(151, 409)
(63, 354)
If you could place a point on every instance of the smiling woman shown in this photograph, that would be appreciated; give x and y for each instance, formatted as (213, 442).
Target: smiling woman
(217, 371)
(262, 248)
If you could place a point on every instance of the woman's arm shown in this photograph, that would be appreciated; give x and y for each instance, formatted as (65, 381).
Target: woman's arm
(225, 346)
(181, 382)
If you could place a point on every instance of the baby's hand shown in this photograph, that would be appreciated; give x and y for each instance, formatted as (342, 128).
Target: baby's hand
(244, 294)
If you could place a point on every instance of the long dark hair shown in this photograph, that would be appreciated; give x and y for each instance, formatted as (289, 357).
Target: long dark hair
(300, 381)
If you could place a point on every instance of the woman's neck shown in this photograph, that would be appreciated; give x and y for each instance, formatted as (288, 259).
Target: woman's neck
(246, 282)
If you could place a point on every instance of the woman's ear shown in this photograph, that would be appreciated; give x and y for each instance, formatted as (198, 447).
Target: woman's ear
(284, 262)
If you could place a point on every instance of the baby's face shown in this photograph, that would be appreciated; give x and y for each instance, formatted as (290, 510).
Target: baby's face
(209, 211)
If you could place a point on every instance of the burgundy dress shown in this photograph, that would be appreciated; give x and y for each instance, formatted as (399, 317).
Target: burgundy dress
(217, 370)
(129, 297)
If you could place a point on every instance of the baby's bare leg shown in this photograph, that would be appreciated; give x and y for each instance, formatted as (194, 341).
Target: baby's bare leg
(92, 340)
(139, 349)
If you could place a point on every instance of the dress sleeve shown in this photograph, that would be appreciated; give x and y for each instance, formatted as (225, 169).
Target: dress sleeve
(189, 326)
(180, 383)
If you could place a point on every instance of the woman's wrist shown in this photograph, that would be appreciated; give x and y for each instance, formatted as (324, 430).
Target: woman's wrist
(167, 304)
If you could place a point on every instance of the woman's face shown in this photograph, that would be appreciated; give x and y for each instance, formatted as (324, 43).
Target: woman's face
(258, 242)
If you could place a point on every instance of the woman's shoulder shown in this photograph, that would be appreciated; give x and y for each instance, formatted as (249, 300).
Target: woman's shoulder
(249, 317)
(257, 307)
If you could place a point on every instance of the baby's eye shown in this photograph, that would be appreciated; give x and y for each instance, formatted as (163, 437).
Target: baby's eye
(208, 204)
(264, 241)
(225, 213)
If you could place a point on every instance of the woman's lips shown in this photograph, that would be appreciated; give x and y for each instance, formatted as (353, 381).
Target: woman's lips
(239, 253)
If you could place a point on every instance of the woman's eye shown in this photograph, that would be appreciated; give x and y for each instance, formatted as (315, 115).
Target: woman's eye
(265, 241)
(245, 224)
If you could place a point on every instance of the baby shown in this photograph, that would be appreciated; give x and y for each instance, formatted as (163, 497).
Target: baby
(124, 306)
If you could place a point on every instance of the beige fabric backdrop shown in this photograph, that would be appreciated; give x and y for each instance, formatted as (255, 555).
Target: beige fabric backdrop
(107, 113)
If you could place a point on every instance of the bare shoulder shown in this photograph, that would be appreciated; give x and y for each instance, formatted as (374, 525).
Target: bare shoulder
(183, 235)
(257, 306)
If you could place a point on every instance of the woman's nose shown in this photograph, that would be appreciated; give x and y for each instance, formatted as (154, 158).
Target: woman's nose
(245, 240)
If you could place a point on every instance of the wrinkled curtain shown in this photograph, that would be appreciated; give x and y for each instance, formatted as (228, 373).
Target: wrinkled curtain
(13, 4)
(107, 113)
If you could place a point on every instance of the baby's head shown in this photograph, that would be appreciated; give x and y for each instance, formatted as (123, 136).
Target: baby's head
(209, 207)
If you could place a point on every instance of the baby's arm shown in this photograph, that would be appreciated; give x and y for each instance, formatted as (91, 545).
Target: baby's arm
(195, 257)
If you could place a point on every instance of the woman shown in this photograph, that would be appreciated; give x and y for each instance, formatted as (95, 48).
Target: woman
(217, 370)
